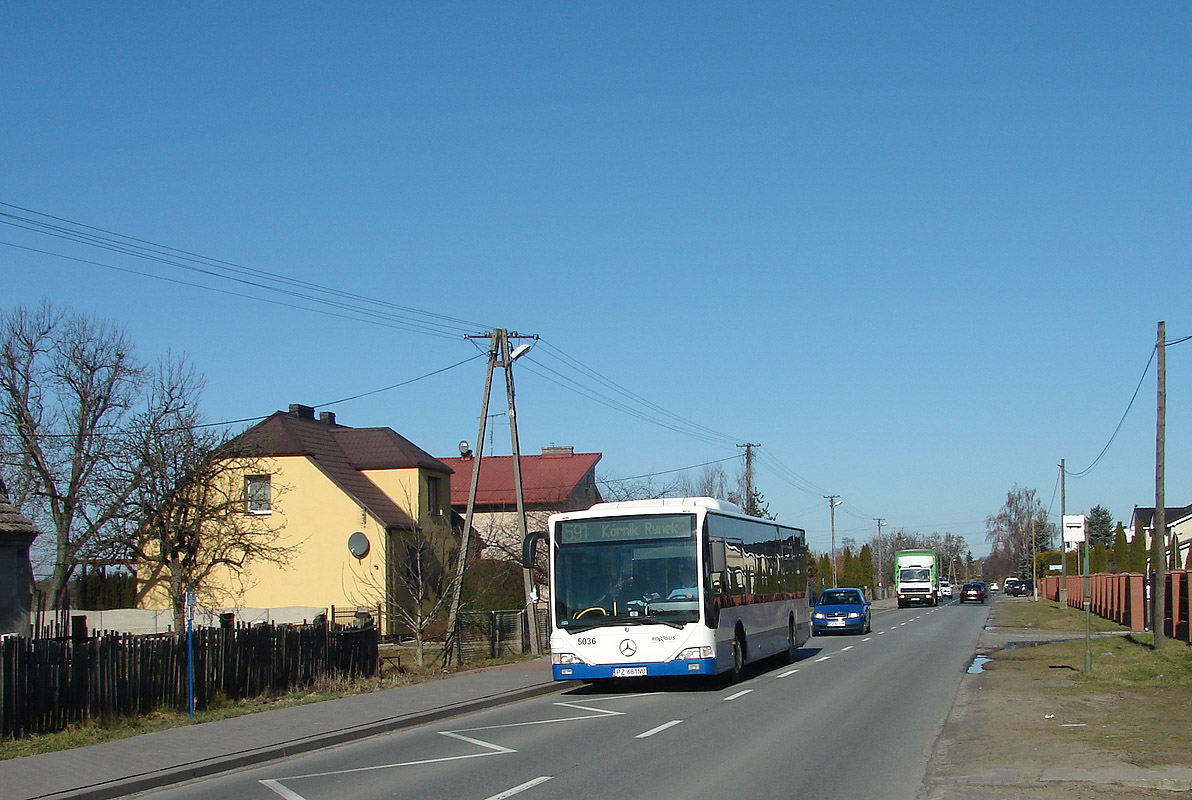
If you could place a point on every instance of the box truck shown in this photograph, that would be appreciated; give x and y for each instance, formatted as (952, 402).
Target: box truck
(916, 577)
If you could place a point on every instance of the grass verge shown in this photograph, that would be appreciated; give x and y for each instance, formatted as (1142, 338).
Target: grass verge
(1136, 701)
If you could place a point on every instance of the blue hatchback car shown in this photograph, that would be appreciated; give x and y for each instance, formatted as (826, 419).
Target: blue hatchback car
(841, 610)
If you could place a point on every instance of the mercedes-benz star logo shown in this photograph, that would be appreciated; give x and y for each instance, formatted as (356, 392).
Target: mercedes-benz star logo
(628, 648)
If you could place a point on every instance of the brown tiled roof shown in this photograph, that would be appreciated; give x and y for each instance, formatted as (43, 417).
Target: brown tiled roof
(547, 479)
(342, 452)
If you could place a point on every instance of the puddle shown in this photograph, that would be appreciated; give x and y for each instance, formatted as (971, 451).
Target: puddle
(978, 665)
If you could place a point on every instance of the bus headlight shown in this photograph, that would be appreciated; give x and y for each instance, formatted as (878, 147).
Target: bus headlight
(692, 653)
(565, 658)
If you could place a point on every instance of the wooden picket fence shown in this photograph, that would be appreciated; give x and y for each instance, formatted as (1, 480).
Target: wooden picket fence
(49, 683)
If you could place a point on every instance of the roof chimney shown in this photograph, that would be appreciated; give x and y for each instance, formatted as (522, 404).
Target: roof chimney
(560, 450)
(301, 412)
(327, 417)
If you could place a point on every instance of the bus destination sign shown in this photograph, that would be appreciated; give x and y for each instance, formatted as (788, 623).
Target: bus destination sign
(621, 529)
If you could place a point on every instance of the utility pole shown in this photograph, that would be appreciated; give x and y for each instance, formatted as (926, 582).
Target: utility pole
(749, 504)
(1159, 612)
(498, 355)
(878, 579)
(831, 498)
(1063, 544)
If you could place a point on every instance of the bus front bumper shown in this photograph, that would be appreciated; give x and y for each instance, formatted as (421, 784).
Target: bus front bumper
(595, 672)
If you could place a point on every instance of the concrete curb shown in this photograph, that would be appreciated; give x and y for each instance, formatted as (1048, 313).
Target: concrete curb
(209, 766)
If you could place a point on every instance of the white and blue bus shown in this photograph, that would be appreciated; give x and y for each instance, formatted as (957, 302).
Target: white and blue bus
(674, 586)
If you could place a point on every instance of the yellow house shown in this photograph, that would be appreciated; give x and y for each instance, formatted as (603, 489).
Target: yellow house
(347, 502)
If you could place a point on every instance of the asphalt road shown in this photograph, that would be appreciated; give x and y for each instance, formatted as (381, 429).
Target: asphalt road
(853, 717)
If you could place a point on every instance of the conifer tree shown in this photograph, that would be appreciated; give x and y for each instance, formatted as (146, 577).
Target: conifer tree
(1120, 558)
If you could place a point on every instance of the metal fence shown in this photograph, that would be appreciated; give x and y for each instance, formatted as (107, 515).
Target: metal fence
(49, 683)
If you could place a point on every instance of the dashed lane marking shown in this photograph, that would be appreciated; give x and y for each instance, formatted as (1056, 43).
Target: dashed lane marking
(520, 788)
(659, 729)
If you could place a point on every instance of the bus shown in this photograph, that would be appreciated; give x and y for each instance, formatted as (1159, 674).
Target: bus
(672, 586)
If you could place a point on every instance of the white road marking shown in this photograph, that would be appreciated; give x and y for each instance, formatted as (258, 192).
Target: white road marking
(281, 790)
(867, 638)
(741, 693)
(659, 729)
(394, 765)
(788, 672)
(822, 658)
(521, 788)
(478, 742)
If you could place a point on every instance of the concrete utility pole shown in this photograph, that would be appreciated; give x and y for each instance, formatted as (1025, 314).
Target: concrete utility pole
(749, 504)
(832, 503)
(1159, 549)
(878, 579)
(498, 355)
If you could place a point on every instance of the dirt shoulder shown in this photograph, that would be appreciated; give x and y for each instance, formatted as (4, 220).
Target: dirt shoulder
(1033, 724)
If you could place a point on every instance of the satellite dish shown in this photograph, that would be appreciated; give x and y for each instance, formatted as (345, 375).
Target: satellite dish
(464, 448)
(358, 544)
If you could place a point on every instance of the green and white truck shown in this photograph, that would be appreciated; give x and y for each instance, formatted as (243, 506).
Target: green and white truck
(916, 577)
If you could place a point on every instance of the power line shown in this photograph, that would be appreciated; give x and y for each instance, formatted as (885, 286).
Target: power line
(1097, 460)
(358, 306)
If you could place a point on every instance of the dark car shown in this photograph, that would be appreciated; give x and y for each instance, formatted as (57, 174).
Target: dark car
(1020, 588)
(974, 592)
(841, 610)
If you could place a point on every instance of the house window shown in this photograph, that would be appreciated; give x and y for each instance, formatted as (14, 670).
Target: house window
(434, 495)
(257, 494)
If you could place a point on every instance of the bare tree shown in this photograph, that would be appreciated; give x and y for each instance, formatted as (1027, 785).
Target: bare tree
(68, 385)
(1009, 530)
(186, 521)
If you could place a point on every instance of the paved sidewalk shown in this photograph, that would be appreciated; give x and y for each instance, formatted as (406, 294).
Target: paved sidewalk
(154, 760)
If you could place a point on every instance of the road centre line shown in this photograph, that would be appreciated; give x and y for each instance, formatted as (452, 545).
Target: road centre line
(788, 672)
(741, 693)
(846, 649)
(822, 658)
(659, 729)
(520, 788)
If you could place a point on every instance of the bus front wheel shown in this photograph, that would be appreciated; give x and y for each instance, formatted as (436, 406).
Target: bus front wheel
(738, 655)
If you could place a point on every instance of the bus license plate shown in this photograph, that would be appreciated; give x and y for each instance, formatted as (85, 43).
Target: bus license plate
(629, 672)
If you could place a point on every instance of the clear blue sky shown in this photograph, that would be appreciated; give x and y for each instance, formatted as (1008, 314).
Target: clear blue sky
(916, 251)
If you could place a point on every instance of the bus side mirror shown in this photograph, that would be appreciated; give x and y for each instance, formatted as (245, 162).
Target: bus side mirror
(530, 547)
(719, 556)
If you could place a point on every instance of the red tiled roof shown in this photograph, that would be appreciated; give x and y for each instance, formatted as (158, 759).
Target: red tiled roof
(546, 479)
(342, 453)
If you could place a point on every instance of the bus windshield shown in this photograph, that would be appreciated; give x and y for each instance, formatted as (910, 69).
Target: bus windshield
(626, 570)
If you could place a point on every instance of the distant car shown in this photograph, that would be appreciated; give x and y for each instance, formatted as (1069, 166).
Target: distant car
(841, 610)
(974, 592)
(945, 589)
(993, 586)
(1020, 588)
